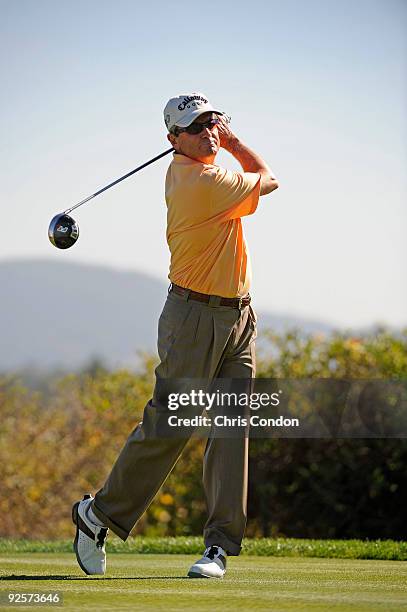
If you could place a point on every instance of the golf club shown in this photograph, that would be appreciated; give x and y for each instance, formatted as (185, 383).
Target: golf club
(63, 231)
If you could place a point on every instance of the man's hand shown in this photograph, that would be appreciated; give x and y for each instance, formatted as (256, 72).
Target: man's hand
(226, 136)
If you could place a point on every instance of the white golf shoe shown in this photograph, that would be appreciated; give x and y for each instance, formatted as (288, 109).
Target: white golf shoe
(89, 543)
(212, 564)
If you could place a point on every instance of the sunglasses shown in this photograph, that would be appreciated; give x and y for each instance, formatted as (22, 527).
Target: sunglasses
(196, 128)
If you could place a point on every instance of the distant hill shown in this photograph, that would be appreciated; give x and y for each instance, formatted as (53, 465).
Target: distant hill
(62, 315)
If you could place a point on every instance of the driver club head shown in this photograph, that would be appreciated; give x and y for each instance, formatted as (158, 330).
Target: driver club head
(63, 231)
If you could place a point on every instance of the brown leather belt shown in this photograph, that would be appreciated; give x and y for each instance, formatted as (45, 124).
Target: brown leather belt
(204, 297)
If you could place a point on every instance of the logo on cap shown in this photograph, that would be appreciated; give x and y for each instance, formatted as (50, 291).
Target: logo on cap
(189, 99)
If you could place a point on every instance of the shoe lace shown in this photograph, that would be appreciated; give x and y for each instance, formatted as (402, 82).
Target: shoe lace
(101, 537)
(212, 552)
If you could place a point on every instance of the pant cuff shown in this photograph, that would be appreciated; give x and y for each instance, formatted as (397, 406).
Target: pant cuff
(119, 531)
(216, 538)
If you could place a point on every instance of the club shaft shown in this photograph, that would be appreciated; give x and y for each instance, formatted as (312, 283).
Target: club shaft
(68, 210)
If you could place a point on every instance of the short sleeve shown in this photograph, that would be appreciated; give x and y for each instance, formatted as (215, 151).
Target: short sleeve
(235, 194)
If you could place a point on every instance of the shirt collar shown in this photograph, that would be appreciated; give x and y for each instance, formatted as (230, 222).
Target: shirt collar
(179, 158)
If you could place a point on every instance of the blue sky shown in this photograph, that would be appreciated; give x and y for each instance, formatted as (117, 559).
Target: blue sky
(317, 88)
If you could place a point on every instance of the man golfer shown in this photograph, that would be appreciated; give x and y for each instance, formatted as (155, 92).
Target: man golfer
(206, 330)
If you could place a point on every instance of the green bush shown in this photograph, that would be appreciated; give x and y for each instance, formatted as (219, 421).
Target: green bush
(56, 445)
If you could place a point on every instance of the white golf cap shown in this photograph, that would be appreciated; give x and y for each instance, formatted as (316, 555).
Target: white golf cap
(183, 110)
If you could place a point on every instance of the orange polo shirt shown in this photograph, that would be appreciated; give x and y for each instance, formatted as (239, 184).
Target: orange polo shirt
(204, 230)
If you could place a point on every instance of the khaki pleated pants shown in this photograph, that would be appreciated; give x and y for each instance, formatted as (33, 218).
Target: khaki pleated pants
(195, 340)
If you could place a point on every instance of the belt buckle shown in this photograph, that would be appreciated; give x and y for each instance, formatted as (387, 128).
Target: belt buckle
(240, 303)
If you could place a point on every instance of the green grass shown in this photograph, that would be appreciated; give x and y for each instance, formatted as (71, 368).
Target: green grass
(268, 547)
(158, 582)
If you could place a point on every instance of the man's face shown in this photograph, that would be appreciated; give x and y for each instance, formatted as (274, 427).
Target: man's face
(203, 146)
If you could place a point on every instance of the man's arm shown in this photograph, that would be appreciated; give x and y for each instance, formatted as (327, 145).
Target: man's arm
(248, 159)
